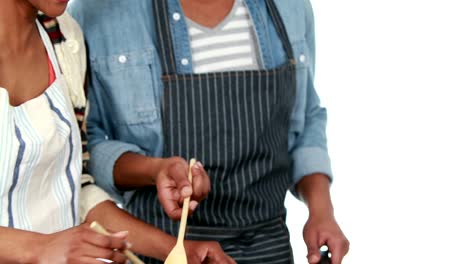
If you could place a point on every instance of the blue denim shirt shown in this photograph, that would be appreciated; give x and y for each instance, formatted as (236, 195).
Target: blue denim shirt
(125, 88)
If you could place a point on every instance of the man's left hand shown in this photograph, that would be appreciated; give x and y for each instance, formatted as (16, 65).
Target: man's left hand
(324, 230)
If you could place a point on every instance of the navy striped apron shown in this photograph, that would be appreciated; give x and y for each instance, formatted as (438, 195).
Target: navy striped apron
(236, 124)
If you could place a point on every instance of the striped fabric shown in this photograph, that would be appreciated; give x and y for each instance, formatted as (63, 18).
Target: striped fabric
(69, 47)
(265, 243)
(40, 159)
(52, 27)
(231, 45)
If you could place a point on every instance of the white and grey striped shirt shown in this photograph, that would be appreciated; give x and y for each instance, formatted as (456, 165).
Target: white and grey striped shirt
(231, 45)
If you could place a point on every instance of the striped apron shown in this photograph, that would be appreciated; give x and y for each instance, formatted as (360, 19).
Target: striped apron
(40, 157)
(236, 124)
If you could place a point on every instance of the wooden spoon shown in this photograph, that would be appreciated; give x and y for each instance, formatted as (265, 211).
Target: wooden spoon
(177, 255)
(101, 230)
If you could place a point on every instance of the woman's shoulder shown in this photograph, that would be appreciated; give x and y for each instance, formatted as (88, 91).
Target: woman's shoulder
(70, 50)
(69, 26)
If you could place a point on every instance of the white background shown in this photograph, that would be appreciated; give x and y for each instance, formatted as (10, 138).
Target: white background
(394, 77)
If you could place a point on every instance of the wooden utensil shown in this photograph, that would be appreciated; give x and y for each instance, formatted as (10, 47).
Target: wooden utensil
(101, 230)
(177, 255)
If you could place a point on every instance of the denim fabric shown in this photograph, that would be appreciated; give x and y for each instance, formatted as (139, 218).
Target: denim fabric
(125, 87)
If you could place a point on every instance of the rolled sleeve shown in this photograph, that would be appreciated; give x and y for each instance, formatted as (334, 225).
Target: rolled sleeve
(310, 160)
(104, 156)
(91, 195)
(309, 151)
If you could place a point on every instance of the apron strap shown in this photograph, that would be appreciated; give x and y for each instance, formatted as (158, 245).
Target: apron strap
(165, 42)
(281, 29)
(164, 37)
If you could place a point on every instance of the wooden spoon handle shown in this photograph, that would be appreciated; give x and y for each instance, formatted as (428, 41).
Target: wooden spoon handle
(101, 230)
(185, 208)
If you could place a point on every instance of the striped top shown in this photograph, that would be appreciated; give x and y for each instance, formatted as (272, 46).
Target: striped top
(40, 158)
(231, 45)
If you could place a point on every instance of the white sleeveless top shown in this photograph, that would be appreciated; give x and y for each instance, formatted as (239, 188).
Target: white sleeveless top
(40, 158)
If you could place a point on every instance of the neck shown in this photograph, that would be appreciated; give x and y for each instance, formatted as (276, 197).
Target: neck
(207, 2)
(210, 4)
(207, 12)
(17, 22)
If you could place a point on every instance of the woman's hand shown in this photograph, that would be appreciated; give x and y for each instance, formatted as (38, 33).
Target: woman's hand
(206, 252)
(173, 185)
(81, 245)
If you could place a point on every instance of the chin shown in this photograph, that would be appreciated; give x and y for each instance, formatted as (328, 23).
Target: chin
(55, 9)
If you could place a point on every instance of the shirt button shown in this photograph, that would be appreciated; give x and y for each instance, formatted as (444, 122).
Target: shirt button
(73, 45)
(302, 58)
(184, 61)
(176, 16)
(122, 59)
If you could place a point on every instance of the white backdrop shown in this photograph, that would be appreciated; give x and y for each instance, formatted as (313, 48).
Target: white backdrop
(394, 77)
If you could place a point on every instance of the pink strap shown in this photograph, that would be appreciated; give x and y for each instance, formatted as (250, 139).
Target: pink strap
(51, 72)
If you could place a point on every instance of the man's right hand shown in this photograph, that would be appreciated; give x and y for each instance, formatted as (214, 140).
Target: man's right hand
(206, 252)
(170, 175)
(173, 185)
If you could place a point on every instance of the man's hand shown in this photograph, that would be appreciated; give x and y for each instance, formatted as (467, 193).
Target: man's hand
(173, 185)
(170, 175)
(321, 227)
(206, 252)
(324, 231)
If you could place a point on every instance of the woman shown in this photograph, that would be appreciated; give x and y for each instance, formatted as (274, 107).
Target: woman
(43, 194)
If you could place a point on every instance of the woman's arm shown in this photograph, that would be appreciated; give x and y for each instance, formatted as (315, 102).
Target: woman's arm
(152, 242)
(144, 238)
(17, 246)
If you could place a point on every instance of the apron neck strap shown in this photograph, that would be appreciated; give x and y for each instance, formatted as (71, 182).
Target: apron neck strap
(281, 29)
(164, 37)
(165, 42)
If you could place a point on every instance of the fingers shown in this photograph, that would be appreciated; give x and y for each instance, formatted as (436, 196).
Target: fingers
(178, 172)
(312, 240)
(338, 247)
(169, 199)
(103, 246)
(230, 260)
(89, 260)
(313, 249)
(117, 241)
(172, 185)
(216, 254)
(325, 231)
(105, 253)
(192, 206)
(200, 182)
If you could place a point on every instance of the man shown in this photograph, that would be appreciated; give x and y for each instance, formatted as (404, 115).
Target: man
(230, 83)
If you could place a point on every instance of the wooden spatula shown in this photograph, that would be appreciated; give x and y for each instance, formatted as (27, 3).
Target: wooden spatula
(177, 255)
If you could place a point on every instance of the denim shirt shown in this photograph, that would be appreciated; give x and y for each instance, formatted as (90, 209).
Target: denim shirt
(125, 86)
